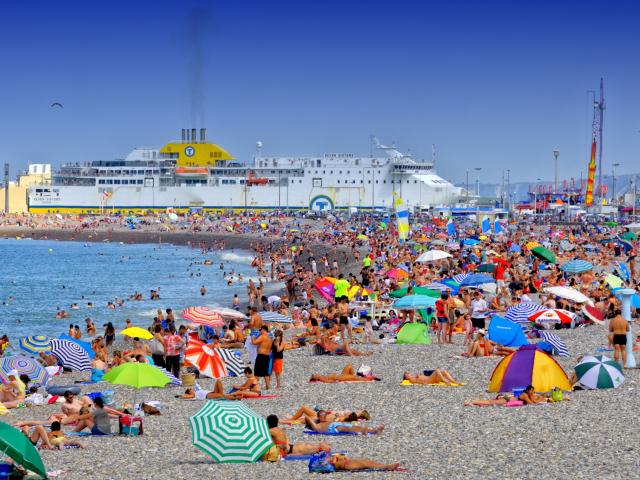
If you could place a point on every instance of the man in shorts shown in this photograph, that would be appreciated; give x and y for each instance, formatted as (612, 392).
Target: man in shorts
(618, 328)
(442, 316)
(343, 316)
(479, 308)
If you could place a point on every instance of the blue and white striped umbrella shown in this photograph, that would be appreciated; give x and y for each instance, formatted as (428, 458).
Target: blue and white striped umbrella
(233, 360)
(173, 380)
(71, 355)
(475, 279)
(440, 287)
(35, 344)
(625, 274)
(275, 317)
(576, 266)
(414, 302)
(554, 340)
(521, 312)
(460, 277)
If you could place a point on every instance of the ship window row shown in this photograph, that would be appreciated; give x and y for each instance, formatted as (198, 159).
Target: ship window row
(110, 181)
(127, 172)
(340, 172)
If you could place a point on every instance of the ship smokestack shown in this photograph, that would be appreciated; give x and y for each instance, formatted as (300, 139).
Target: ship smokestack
(193, 135)
(203, 135)
(184, 135)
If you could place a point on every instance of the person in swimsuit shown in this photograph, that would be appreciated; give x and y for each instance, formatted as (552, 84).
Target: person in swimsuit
(38, 434)
(430, 377)
(530, 397)
(322, 425)
(348, 374)
(618, 337)
(251, 387)
(217, 392)
(343, 463)
(501, 399)
(341, 349)
(340, 416)
(277, 352)
(280, 439)
(263, 357)
(13, 393)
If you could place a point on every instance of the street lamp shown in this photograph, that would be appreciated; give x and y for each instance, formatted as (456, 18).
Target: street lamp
(556, 154)
(467, 187)
(477, 169)
(613, 186)
(535, 201)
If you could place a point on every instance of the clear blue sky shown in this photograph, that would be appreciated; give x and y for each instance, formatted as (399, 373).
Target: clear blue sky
(492, 84)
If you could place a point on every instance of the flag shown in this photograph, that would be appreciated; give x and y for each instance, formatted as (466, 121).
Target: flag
(588, 200)
(402, 216)
(451, 228)
(486, 225)
(106, 194)
(496, 226)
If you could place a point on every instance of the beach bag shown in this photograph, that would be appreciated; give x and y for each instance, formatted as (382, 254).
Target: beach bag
(271, 455)
(156, 347)
(364, 370)
(319, 463)
(556, 395)
(188, 379)
(130, 425)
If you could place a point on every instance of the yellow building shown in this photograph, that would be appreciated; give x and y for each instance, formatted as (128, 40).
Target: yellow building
(38, 173)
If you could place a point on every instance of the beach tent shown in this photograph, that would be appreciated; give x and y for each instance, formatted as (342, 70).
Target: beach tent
(414, 334)
(506, 332)
(528, 366)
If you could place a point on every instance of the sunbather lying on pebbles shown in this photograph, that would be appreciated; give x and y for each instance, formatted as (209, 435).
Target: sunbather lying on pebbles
(217, 392)
(281, 440)
(501, 399)
(430, 377)
(330, 416)
(334, 428)
(348, 374)
(342, 462)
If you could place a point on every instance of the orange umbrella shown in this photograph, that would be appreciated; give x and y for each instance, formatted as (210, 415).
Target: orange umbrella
(205, 359)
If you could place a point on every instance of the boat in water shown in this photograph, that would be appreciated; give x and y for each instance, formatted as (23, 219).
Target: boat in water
(196, 174)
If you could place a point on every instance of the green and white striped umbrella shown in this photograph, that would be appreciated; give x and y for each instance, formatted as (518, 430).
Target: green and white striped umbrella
(230, 432)
(599, 372)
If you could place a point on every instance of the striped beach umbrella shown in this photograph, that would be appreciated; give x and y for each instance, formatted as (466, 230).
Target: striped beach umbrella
(205, 359)
(232, 360)
(25, 366)
(274, 317)
(440, 287)
(173, 380)
(558, 345)
(475, 279)
(521, 312)
(203, 316)
(599, 371)
(230, 432)
(35, 344)
(552, 316)
(71, 355)
(576, 266)
(460, 277)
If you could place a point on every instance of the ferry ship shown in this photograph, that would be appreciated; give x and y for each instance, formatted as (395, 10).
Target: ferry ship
(195, 174)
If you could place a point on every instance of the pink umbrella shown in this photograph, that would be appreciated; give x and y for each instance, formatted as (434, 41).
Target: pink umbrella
(203, 316)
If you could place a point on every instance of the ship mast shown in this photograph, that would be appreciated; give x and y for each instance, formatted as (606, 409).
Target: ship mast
(600, 106)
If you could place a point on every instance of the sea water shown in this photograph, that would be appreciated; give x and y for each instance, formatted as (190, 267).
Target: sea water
(37, 276)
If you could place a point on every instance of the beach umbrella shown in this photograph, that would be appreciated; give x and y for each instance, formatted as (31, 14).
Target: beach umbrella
(230, 432)
(71, 355)
(593, 314)
(576, 266)
(440, 287)
(532, 244)
(232, 360)
(15, 445)
(515, 248)
(475, 279)
(611, 224)
(470, 242)
(460, 277)
(397, 273)
(203, 316)
(613, 281)
(137, 332)
(486, 268)
(24, 365)
(568, 293)
(86, 346)
(599, 371)
(432, 256)
(635, 298)
(633, 226)
(566, 245)
(173, 380)
(205, 359)
(528, 366)
(136, 375)
(552, 316)
(274, 317)
(229, 313)
(418, 291)
(544, 254)
(414, 302)
(622, 270)
(506, 332)
(35, 344)
(558, 345)
(521, 312)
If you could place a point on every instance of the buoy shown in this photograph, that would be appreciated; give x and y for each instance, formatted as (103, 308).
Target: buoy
(50, 250)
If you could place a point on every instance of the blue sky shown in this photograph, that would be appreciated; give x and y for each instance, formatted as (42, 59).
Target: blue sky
(492, 84)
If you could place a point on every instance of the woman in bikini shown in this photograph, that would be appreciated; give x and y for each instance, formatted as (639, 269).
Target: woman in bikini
(348, 374)
(430, 377)
(339, 416)
(217, 392)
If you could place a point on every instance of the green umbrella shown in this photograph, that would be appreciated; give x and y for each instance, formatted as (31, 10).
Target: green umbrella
(416, 291)
(599, 372)
(16, 445)
(137, 375)
(613, 281)
(611, 224)
(544, 254)
(486, 267)
(230, 432)
(628, 236)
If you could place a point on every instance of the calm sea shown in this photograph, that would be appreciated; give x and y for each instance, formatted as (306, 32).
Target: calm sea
(38, 276)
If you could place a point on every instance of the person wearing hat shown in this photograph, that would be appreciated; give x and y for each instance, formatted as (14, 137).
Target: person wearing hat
(13, 392)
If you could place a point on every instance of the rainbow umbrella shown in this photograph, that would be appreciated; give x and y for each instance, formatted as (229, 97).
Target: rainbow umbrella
(203, 316)
(397, 273)
(205, 359)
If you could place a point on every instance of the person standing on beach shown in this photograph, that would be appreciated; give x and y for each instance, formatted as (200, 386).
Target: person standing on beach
(263, 358)
(172, 346)
(277, 351)
(618, 328)
(255, 324)
(156, 345)
(341, 287)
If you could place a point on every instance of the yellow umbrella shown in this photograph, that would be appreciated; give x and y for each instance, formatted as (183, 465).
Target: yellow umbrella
(137, 332)
(532, 244)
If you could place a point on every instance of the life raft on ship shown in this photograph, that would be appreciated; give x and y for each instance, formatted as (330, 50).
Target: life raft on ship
(199, 172)
(253, 180)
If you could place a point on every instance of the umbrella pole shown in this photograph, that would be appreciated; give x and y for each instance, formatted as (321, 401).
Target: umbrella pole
(625, 296)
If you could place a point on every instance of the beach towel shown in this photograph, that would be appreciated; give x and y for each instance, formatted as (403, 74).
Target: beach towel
(311, 432)
(407, 383)
(88, 434)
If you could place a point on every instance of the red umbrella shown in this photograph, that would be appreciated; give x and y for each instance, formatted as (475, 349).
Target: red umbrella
(553, 315)
(203, 316)
(205, 359)
(593, 314)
